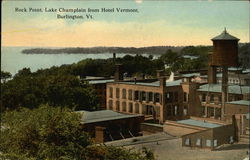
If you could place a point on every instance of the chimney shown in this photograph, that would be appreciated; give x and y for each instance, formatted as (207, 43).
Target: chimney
(160, 73)
(212, 71)
(118, 73)
(114, 57)
(161, 77)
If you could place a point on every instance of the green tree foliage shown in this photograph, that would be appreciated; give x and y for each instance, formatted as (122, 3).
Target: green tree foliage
(244, 55)
(5, 75)
(140, 64)
(30, 90)
(116, 153)
(176, 62)
(43, 133)
(54, 134)
(173, 60)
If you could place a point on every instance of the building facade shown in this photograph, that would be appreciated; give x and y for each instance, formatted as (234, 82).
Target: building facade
(158, 100)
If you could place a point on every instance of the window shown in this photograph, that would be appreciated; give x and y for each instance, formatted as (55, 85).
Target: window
(131, 107)
(136, 95)
(185, 95)
(187, 141)
(143, 94)
(208, 143)
(203, 99)
(136, 108)
(219, 99)
(150, 96)
(231, 139)
(175, 110)
(169, 110)
(130, 94)
(215, 143)
(157, 97)
(110, 104)
(110, 92)
(117, 92)
(117, 106)
(169, 97)
(124, 107)
(211, 98)
(185, 110)
(123, 93)
(176, 96)
(198, 142)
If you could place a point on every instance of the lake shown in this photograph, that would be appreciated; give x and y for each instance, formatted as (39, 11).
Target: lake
(13, 60)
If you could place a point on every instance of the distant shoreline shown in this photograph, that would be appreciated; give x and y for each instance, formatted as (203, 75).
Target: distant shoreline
(155, 50)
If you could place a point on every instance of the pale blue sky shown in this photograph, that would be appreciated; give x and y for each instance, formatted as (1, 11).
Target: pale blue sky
(157, 23)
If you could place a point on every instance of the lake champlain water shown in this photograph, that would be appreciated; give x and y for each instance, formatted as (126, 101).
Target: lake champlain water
(13, 60)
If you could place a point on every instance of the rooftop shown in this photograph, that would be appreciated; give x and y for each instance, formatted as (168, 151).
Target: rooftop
(234, 89)
(103, 115)
(155, 84)
(199, 123)
(241, 102)
(190, 75)
(225, 36)
(101, 81)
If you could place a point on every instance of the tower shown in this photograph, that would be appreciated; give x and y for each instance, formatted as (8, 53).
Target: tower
(225, 54)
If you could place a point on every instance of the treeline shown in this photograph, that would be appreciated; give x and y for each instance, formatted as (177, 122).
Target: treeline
(55, 87)
(79, 50)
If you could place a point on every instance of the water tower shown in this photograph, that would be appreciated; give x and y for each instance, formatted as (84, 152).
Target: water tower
(224, 55)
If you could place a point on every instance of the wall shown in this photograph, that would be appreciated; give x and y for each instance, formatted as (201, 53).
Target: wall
(149, 128)
(202, 135)
(112, 126)
(232, 109)
(160, 111)
(219, 134)
(223, 133)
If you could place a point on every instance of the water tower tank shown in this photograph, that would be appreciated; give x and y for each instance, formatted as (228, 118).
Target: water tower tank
(225, 50)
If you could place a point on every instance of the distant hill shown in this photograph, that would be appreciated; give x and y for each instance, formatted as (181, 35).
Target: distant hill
(94, 50)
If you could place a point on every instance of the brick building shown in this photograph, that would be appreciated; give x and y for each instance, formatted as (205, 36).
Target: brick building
(108, 125)
(156, 99)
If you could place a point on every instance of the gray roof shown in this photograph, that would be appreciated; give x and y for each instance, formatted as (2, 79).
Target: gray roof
(190, 57)
(103, 115)
(190, 75)
(101, 81)
(225, 36)
(234, 89)
(199, 123)
(155, 84)
(241, 102)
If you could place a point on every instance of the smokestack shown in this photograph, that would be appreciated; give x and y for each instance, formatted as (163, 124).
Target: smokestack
(118, 73)
(212, 71)
(114, 57)
(162, 79)
(160, 73)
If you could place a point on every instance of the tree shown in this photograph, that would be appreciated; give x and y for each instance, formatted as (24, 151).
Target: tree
(35, 89)
(5, 75)
(54, 134)
(43, 133)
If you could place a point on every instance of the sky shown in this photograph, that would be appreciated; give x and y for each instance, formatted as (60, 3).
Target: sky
(157, 23)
